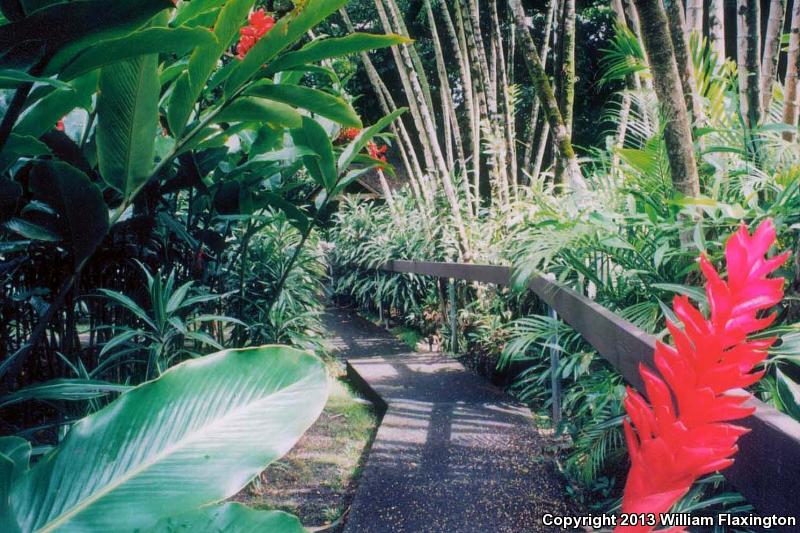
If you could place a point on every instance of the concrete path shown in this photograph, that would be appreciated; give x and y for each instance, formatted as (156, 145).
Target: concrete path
(453, 454)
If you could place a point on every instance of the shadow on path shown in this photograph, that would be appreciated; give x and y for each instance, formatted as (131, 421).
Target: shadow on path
(452, 454)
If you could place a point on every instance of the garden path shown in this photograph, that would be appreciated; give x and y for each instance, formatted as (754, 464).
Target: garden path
(452, 454)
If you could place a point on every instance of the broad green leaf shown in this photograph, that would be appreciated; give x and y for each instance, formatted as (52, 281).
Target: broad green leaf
(194, 436)
(322, 167)
(252, 109)
(286, 32)
(143, 42)
(78, 202)
(314, 100)
(202, 64)
(44, 114)
(321, 49)
(358, 144)
(230, 518)
(63, 389)
(127, 120)
(77, 24)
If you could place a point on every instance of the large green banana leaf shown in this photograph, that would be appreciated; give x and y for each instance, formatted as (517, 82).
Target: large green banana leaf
(194, 436)
(230, 518)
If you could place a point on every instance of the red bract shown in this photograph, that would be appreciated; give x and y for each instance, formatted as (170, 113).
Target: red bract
(672, 443)
(377, 152)
(260, 24)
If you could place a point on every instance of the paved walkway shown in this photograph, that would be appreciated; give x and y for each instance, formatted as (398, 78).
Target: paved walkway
(453, 454)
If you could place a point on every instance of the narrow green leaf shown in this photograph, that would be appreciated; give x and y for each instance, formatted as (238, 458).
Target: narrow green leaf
(11, 78)
(314, 100)
(63, 389)
(143, 42)
(321, 49)
(252, 109)
(788, 394)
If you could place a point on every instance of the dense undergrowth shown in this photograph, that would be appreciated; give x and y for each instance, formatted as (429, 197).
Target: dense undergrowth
(631, 243)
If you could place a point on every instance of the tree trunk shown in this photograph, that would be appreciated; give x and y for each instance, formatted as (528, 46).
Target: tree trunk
(667, 84)
(565, 84)
(677, 30)
(388, 106)
(694, 17)
(428, 124)
(480, 74)
(772, 43)
(790, 91)
(448, 110)
(413, 105)
(749, 61)
(544, 91)
(544, 51)
(716, 28)
(400, 24)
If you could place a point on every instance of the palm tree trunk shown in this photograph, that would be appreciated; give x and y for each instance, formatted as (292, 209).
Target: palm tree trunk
(573, 178)
(790, 91)
(667, 84)
(479, 75)
(429, 126)
(677, 30)
(748, 24)
(772, 43)
(448, 110)
(400, 24)
(565, 86)
(716, 28)
(534, 122)
(694, 17)
(413, 105)
(407, 152)
(458, 42)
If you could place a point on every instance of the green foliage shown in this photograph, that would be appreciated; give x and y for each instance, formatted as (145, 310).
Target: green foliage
(194, 436)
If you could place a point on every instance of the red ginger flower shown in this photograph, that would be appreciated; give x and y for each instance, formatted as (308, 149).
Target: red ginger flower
(348, 134)
(673, 443)
(377, 152)
(260, 24)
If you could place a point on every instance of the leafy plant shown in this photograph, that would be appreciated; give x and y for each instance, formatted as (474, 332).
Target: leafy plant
(192, 437)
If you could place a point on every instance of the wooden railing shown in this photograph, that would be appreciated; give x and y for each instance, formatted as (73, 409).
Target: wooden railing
(766, 469)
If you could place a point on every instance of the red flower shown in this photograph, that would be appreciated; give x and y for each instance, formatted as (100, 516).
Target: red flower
(260, 24)
(673, 443)
(60, 125)
(377, 152)
(348, 134)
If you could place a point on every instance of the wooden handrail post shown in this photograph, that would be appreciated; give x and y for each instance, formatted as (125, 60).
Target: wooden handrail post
(555, 381)
(451, 293)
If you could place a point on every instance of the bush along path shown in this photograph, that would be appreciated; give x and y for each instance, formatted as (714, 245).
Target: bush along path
(452, 453)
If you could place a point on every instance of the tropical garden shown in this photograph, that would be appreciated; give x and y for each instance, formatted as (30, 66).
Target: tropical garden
(185, 185)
